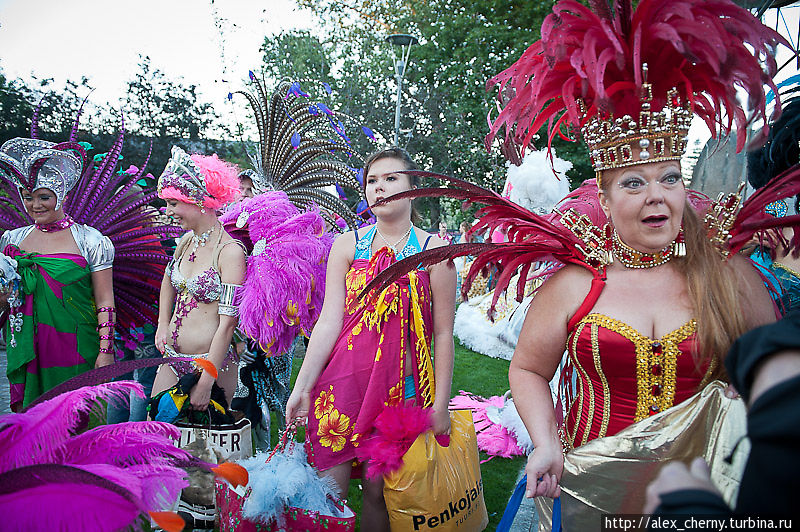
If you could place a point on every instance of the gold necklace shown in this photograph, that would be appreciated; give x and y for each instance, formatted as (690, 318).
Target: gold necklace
(632, 258)
(393, 247)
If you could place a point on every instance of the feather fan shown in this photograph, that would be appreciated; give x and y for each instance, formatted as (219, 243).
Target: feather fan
(298, 142)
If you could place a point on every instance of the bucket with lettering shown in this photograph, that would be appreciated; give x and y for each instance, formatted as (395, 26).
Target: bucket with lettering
(213, 444)
(438, 488)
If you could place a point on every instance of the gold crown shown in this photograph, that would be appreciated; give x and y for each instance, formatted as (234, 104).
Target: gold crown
(656, 136)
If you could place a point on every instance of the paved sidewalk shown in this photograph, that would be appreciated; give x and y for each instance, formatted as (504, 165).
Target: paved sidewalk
(5, 398)
(526, 519)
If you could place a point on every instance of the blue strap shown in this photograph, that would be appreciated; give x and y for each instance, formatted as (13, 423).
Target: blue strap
(557, 514)
(513, 506)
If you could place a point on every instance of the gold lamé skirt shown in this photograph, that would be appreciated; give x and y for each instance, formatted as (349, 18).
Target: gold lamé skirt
(611, 474)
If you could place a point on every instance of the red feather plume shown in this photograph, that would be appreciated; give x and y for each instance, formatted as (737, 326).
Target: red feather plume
(752, 220)
(532, 238)
(704, 48)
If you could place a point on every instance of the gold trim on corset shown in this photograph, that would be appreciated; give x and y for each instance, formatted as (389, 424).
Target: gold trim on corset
(606, 394)
(590, 391)
(656, 362)
(567, 439)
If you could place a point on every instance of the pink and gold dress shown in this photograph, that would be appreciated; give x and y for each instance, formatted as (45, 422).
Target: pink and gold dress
(381, 357)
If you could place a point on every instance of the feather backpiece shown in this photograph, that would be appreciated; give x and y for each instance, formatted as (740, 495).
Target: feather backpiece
(298, 142)
(105, 199)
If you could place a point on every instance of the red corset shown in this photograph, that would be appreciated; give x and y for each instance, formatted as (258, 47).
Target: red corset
(624, 376)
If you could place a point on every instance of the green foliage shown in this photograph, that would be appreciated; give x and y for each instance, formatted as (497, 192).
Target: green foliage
(296, 55)
(15, 108)
(158, 111)
(157, 106)
(445, 103)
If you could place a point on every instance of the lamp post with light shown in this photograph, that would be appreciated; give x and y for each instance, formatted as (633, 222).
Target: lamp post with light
(404, 42)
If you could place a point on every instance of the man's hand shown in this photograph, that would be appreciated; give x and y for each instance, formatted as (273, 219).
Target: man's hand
(676, 476)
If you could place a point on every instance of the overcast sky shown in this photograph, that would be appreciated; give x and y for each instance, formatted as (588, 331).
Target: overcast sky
(67, 39)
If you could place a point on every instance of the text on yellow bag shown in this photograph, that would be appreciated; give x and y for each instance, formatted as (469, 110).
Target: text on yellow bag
(439, 488)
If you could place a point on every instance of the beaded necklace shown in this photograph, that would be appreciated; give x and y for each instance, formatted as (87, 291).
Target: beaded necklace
(200, 241)
(402, 238)
(632, 258)
(58, 225)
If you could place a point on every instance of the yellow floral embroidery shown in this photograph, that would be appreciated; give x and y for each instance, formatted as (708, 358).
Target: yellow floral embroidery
(334, 427)
(324, 403)
(395, 395)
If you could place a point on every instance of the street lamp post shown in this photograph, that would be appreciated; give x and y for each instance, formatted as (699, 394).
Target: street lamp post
(404, 42)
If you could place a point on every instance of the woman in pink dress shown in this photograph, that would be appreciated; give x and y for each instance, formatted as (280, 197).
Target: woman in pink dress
(369, 354)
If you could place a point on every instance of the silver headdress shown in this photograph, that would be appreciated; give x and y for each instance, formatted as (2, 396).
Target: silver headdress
(32, 164)
(296, 140)
(183, 175)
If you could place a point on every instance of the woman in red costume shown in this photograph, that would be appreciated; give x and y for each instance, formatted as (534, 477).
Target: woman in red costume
(368, 354)
(646, 326)
(651, 293)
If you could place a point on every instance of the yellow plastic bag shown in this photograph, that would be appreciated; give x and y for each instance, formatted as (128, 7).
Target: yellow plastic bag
(439, 488)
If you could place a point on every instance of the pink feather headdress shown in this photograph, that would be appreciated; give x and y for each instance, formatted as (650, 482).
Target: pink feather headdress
(204, 180)
(590, 72)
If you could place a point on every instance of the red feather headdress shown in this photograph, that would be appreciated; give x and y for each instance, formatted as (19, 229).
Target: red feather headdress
(590, 72)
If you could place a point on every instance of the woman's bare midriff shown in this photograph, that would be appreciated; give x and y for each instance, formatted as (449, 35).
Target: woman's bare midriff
(197, 329)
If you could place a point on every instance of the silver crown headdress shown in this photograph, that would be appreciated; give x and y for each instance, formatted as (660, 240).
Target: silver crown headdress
(32, 164)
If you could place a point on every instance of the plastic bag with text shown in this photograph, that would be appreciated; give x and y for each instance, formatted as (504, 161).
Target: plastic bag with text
(439, 488)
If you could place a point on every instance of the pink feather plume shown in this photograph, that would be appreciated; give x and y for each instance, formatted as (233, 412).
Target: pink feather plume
(285, 285)
(396, 429)
(493, 439)
(221, 179)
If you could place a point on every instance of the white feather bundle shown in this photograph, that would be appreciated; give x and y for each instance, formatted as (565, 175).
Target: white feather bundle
(534, 186)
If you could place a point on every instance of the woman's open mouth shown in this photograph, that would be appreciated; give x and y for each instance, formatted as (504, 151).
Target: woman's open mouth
(656, 220)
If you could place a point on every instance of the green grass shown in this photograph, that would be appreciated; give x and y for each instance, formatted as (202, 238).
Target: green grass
(480, 375)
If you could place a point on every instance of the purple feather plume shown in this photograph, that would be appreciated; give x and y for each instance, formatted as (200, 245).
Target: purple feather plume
(285, 284)
(60, 497)
(35, 436)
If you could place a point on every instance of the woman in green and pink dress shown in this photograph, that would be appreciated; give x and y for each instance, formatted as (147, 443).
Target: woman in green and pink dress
(60, 322)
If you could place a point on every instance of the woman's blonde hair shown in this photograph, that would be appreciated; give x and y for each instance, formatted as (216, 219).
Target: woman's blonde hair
(714, 295)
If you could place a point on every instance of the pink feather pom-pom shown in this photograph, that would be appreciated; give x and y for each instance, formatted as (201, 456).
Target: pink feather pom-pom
(285, 284)
(222, 180)
(396, 429)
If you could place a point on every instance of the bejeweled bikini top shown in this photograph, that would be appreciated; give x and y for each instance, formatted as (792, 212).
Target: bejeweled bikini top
(205, 287)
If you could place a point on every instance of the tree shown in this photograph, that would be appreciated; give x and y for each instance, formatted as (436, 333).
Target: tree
(158, 107)
(165, 112)
(297, 55)
(445, 102)
(15, 108)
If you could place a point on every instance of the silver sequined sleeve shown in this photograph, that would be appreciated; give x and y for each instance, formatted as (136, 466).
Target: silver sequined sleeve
(94, 247)
(229, 299)
(14, 236)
